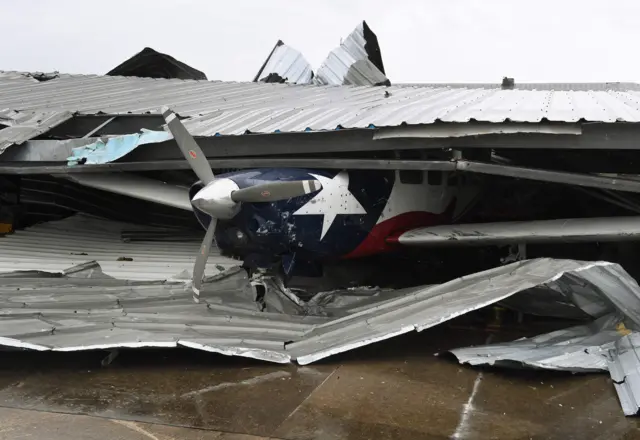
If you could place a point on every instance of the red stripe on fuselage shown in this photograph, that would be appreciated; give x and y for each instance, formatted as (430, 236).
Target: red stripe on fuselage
(376, 241)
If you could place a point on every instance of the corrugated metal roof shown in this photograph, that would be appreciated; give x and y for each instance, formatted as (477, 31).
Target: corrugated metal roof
(13, 75)
(288, 64)
(58, 245)
(557, 87)
(237, 108)
(23, 126)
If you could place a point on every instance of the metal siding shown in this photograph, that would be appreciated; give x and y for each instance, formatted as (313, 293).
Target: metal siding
(232, 108)
(56, 246)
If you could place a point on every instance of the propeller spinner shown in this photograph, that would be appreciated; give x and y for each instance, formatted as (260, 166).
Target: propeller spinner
(221, 198)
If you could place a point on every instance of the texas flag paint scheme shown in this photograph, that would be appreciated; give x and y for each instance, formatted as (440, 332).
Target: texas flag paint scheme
(353, 214)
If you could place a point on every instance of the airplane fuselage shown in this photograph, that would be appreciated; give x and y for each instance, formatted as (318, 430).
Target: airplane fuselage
(353, 215)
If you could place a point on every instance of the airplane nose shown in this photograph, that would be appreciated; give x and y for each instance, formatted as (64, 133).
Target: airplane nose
(202, 205)
(214, 207)
(215, 199)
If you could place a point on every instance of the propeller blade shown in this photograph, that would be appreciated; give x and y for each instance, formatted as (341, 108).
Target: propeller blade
(190, 149)
(201, 261)
(274, 191)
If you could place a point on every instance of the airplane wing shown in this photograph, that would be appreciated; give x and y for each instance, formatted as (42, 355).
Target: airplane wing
(136, 186)
(521, 232)
(614, 182)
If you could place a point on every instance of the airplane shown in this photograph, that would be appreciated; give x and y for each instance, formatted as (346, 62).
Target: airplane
(281, 219)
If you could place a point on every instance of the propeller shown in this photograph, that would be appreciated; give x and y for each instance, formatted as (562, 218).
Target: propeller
(221, 197)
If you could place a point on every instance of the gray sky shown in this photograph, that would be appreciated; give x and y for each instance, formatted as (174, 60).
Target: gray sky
(421, 40)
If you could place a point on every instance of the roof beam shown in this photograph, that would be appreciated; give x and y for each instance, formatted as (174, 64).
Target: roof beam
(430, 131)
(99, 127)
(541, 175)
(240, 163)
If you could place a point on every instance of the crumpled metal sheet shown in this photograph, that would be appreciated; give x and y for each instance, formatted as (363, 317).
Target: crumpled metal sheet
(354, 61)
(598, 292)
(285, 64)
(624, 368)
(418, 309)
(605, 292)
(83, 309)
(80, 310)
(45, 150)
(582, 348)
(22, 126)
(114, 148)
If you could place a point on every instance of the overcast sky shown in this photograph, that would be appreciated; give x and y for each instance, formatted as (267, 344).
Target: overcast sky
(421, 40)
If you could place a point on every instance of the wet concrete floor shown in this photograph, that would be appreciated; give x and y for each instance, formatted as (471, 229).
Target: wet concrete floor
(396, 389)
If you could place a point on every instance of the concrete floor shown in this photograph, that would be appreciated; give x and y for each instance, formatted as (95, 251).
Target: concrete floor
(392, 390)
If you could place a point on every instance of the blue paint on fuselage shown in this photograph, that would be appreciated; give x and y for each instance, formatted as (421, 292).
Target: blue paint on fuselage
(272, 229)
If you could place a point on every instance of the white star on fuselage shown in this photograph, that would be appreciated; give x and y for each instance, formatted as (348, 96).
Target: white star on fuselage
(334, 198)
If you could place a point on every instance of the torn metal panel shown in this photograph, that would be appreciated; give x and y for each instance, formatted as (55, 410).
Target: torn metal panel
(45, 150)
(536, 231)
(357, 61)
(88, 312)
(285, 64)
(115, 147)
(363, 39)
(424, 307)
(607, 343)
(149, 63)
(341, 68)
(579, 349)
(56, 246)
(22, 126)
(624, 368)
(138, 187)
